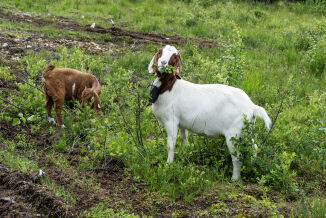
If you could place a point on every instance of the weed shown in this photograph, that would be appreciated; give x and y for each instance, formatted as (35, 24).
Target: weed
(314, 207)
(100, 210)
(59, 190)
(16, 162)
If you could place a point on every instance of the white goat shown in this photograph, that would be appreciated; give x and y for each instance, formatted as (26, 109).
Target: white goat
(208, 109)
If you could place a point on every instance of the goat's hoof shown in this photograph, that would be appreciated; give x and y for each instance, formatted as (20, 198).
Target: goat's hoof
(235, 178)
(169, 161)
(51, 120)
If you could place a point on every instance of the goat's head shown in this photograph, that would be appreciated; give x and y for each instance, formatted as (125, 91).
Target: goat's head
(87, 95)
(165, 57)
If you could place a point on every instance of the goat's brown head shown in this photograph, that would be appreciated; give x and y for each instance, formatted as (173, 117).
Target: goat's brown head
(87, 95)
(165, 57)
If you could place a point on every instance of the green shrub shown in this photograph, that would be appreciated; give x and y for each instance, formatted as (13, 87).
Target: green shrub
(316, 57)
(100, 210)
(5, 74)
(315, 207)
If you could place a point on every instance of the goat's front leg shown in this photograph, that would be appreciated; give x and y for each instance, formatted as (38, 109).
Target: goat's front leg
(235, 159)
(172, 131)
(184, 135)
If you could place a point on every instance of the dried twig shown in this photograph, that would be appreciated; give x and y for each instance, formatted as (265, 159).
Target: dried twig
(274, 120)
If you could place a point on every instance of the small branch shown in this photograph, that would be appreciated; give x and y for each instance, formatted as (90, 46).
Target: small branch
(11, 104)
(139, 132)
(273, 123)
(31, 85)
(126, 123)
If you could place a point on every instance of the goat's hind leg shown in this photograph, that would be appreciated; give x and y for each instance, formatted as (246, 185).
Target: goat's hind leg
(48, 106)
(184, 135)
(235, 158)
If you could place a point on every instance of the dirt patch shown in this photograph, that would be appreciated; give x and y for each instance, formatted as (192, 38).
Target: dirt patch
(98, 185)
(111, 186)
(12, 46)
(8, 131)
(39, 197)
(86, 197)
(14, 205)
(69, 24)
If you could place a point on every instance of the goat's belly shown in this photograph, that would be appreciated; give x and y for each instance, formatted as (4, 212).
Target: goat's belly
(206, 128)
(68, 97)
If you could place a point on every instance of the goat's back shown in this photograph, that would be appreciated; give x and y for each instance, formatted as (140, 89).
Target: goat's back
(209, 109)
(66, 80)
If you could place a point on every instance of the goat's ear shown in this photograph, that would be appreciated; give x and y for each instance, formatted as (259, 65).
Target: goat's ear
(178, 66)
(150, 66)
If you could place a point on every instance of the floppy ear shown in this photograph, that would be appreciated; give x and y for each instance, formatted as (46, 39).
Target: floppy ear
(178, 66)
(152, 67)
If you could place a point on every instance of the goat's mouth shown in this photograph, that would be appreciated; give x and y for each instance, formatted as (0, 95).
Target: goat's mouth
(162, 69)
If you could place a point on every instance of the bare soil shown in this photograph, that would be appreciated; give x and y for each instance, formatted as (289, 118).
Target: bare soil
(32, 198)
(12, 45)
(69, 24)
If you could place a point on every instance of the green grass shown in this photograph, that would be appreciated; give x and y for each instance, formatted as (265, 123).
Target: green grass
(100, 210)
(15, 161)
(60, 191)
(280, 53)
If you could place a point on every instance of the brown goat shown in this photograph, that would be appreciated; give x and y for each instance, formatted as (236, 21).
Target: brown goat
(62, 84)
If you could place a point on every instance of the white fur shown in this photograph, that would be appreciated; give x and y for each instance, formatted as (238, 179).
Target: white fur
(51, 120)
(209, 109)
(73, 89)
(163, 61)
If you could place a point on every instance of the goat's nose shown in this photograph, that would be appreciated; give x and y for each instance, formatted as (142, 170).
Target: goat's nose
(163, 62)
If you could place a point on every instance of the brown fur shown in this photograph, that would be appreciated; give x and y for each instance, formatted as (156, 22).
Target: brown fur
(168, 79)
(58, 83)
(156, 57)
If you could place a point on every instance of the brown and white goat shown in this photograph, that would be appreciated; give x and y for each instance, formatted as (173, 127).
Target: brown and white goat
(62, 84)
(205, 109)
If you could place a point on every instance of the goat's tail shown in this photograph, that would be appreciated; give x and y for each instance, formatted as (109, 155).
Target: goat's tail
(47, 70)
(260, 112)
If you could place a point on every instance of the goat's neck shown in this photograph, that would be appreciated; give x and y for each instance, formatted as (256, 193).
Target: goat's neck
(157, 82)
(165, 82)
